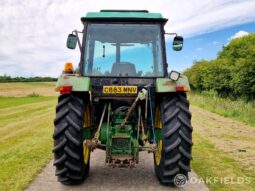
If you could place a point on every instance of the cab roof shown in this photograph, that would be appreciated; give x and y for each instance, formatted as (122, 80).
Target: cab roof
(124, 15)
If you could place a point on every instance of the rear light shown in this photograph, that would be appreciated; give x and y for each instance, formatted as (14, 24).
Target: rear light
(65, 89)
(180, 88)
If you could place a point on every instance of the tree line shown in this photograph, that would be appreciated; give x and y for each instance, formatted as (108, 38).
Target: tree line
(5, 78)
(231, 74)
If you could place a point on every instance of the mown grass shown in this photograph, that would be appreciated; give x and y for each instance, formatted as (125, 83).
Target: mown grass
(239, 109)
(26, 126)
(23, 89)
(12, 101)
(218, 170)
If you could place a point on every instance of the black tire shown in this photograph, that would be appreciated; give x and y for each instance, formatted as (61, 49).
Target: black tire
(176, 138)
(68, 140)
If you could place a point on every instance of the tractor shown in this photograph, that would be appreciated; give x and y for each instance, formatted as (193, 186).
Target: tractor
(122, 99)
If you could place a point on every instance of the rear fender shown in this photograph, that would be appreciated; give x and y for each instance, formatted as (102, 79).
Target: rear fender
(164, 85)
(78, 83)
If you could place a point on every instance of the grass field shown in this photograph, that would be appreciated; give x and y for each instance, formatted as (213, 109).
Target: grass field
(229, 146)
(223, 150)
(218, 169)
(22, 89)
(26, 126)
(239, 109)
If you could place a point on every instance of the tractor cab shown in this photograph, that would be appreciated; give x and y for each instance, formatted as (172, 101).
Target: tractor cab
(121, 47)
(123, 44)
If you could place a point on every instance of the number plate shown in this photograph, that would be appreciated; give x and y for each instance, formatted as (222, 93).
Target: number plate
(120, 89)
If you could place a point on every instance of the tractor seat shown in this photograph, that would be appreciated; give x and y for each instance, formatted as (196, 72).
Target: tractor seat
(123, 69)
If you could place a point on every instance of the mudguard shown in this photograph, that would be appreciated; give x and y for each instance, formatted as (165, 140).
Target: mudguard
(77, 82)
(167, 85)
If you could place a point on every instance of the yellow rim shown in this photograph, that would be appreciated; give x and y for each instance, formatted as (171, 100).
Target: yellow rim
(86, 117)
(86, 150)
(86, 154)
(158, 124)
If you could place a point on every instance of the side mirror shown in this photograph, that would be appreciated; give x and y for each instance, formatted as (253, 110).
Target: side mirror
(178, 43)
(71, 41)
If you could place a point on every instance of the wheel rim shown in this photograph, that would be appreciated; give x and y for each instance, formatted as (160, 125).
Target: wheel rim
(158, 152)
(86, 150)
(158, 124)
(86, 154)
(86, 117)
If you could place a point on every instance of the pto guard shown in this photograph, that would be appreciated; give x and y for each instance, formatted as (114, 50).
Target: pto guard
(164, 85)
(77, 82)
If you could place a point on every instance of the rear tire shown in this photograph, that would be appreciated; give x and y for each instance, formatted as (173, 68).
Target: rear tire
(175, 154)
(68, 140)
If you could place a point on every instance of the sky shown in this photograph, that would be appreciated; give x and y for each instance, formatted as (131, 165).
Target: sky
(205, 46)
(33, 33)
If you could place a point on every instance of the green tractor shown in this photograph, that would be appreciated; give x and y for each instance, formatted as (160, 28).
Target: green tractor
(122, 99)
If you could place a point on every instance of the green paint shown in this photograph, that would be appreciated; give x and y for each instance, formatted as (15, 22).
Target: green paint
(78, 83)
(158, 133)
(139, 15)
(120, 141)
(103, 133)
(168, 85)
(87, 134)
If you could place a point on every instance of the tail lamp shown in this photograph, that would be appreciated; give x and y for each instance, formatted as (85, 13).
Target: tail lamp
(65, 89)
(181, 88)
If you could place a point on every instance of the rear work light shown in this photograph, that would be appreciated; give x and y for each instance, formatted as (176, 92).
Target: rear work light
(65, 89)
(174, 75)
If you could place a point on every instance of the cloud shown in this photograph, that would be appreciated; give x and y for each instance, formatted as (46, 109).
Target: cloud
(239, 35)
(215, 42)
(33, 33)
(199, 49)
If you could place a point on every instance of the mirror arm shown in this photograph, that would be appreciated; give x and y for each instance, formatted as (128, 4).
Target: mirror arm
(78, 39)
(171, 33)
